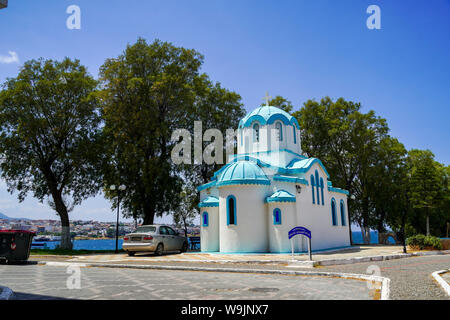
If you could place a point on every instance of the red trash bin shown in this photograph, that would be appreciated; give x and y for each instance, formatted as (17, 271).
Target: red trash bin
(15, 245)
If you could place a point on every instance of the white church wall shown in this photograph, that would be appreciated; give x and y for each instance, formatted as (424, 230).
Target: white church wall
(250, 234)
(209, 235)
(278, 233)
(318, 218)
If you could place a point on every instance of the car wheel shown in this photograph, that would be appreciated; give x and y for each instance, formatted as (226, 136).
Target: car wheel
(159, 249)
(184, 248)
(131, 253)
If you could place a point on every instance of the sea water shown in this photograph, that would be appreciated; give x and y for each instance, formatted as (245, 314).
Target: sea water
(110, 244)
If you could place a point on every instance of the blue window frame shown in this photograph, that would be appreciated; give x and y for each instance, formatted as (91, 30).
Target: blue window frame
(317, 187)
(231, 210)
(256, 132)
(276, 216)
(321, 190)
(279, 129)
(343, 220)
(333, 212)
(295, 135)
(312, 188)
(205, 219)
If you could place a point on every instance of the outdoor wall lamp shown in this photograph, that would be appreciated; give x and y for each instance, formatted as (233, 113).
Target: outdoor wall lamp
(299, 188)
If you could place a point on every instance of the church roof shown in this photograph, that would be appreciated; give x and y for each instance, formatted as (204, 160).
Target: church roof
(242, 172)
(209, 202)
(281, 196)
(268, 115)
(303, 165)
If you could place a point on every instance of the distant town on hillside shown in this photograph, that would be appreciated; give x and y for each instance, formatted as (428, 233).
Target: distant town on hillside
(79, 229)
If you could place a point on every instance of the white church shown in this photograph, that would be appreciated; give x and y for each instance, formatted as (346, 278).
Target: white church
(267, 189)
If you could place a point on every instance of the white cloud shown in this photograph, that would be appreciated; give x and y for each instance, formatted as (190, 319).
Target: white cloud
(12, 58)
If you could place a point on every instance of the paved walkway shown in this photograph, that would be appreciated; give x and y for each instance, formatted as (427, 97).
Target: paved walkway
(410, 277)
(362, 251)
(48, 282)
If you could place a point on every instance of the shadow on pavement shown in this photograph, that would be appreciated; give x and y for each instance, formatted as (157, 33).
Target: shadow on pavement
(29, 296)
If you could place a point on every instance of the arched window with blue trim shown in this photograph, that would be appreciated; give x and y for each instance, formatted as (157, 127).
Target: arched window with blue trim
(343, 220)
(317, 187)
(295, 135)
(279, 129)
(312, 188)
(321, 191)
(333, 212)
(276, 216)
(231, 210)
(256, 132)
(205, 219)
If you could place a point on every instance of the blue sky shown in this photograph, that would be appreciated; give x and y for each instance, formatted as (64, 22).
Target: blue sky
(295, 48)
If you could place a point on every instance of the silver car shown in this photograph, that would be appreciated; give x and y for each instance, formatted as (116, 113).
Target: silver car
(154, 238)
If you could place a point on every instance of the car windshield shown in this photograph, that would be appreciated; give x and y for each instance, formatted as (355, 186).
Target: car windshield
(145, 230)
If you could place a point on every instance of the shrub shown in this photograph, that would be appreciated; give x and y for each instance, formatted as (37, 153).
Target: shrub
(433, 242)
(419, 241)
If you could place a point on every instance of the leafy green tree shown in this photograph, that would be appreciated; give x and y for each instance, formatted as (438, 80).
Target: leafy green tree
(387, 181)
(50, 140)
(187, 211)
(426, 182)
(216, 108)
(347, 142)
(147, 92)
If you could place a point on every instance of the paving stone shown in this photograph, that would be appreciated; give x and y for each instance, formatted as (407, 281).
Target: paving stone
(48, 282)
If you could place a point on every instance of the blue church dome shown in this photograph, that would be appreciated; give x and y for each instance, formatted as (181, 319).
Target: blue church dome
(268, 115)
(242, 172)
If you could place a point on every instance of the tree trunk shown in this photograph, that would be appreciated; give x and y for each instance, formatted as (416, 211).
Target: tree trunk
(403, 231)
(148, 219)
(185, 227)
(428, 223)
(66, 242)
(149, 213)
(350, 233)
(365, 231)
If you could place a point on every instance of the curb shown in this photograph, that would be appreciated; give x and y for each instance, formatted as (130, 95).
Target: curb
(311, 264)
(437, 276)
(383, 281)
(333, 262)
(6, 293)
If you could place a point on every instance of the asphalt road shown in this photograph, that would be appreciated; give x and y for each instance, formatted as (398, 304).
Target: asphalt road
(51, 282)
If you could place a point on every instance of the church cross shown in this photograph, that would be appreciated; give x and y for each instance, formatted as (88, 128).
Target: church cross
(267, 98)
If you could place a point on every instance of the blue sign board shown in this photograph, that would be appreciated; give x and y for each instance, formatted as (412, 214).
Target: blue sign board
(299, 230)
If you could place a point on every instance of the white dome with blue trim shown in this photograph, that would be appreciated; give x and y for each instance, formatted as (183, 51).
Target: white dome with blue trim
(268, 115)
(242, 172)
